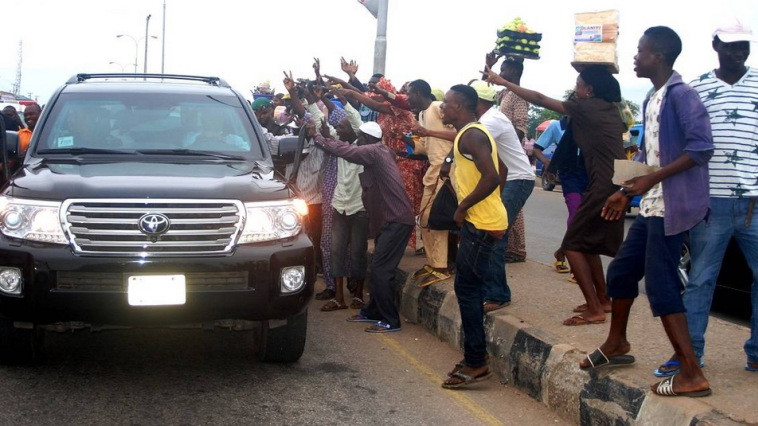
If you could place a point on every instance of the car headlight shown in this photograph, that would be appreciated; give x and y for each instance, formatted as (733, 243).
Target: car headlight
(272, 221)
(31, 220)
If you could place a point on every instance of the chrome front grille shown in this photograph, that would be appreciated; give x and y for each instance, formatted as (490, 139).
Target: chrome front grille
(111, 227)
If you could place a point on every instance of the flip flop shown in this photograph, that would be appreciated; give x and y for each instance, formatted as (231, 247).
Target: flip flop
(572, 279)
(381, 327)
(561, 267)
(598, 359)
(494, 306)
(666, 388)
(359, 317)
(465, 379)
(578, 320)
(675, 367)
(333, 305)
(751, 366)
(583, 308)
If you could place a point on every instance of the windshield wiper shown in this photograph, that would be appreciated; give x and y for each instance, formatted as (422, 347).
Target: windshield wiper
(185, 151)
(80, 151)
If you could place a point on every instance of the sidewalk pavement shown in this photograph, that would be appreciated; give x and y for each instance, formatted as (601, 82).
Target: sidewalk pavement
(531, 349)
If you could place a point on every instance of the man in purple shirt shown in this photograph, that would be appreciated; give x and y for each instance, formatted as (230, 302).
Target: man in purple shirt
(678, 142)
(390, 219)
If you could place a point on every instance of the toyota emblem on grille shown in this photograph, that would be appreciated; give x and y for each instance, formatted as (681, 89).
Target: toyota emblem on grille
(154, 224)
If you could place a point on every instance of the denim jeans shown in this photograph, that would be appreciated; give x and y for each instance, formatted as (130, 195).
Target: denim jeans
(708, 242)
(349, 244)
(514, 195)
(647, 251)
(472, 269)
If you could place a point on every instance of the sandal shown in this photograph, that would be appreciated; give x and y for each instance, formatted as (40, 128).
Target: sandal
(357, 303)
(572, 279)
(333, 305)
(666, 388)
(561, 267)
(423, 271)
(459, 379)
(433, 277)
(580, 320)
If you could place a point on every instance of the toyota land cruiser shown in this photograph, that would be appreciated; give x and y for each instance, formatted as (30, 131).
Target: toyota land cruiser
(149, 200)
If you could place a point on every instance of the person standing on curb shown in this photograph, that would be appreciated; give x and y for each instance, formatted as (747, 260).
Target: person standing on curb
(391, 219)
(730, 95)
(515, 109)
(518, 187)
(676, 141)
(483, 221)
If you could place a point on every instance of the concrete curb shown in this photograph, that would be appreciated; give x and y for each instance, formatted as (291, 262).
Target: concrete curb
(539, 364)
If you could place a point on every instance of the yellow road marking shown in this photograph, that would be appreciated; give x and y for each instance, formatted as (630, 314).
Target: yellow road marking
(459, 397)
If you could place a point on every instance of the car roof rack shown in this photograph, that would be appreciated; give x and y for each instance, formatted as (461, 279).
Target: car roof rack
(214, 81)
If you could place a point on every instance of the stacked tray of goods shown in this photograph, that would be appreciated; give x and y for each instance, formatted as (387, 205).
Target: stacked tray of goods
(516, 39)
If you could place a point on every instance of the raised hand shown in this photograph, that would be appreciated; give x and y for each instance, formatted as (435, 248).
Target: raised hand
(350, 68)
(289, 82)
(317, 66)
(325, 129)
(492, 77)
(491, 59)
(335, 80)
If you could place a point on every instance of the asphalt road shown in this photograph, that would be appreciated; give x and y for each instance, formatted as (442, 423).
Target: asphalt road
(169, 376)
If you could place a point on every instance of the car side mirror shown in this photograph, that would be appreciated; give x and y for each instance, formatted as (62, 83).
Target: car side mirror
(289, 146)
(9, 146)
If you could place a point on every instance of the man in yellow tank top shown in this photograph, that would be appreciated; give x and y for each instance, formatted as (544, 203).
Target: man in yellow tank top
(483, 220)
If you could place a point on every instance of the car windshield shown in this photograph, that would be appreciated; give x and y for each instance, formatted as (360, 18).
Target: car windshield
(145, 122)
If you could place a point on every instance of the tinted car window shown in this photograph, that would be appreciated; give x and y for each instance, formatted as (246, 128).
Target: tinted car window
(125, 121)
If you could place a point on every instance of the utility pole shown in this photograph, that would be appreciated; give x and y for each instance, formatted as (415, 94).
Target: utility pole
(378, 8)
(17, 83)
(147, 39)
(163, 40)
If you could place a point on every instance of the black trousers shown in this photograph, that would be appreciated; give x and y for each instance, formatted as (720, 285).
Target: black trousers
(389, 247)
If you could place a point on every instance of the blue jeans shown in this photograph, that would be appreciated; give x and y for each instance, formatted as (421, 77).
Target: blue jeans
(514, 196)
(708, 244)
(472, 270)
(647, 251)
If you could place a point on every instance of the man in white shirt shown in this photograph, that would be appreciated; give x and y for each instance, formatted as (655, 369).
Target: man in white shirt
(518, 187)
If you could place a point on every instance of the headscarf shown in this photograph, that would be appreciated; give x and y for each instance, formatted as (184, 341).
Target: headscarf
(604, 85)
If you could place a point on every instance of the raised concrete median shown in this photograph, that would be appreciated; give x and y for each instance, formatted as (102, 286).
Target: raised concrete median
(532, 350)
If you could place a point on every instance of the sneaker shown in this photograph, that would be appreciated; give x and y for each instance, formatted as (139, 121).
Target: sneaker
(381, 327)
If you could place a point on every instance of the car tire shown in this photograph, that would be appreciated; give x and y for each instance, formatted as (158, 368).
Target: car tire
(283, 344)
(19, 345)
(547, 185)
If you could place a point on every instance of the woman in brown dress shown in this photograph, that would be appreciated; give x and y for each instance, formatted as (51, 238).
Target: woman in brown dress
(596, 128)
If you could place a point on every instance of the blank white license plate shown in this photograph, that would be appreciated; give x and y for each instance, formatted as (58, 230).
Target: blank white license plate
(156, 290)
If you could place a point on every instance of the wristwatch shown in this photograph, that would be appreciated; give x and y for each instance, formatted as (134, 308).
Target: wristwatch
(625, 192)
(449, 160)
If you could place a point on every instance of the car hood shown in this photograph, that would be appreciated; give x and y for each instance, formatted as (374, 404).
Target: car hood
(237, 181)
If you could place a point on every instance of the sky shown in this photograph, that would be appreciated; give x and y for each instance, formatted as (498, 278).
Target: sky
(248, 42)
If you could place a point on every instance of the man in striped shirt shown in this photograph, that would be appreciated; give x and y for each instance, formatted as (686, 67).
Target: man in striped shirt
(730, 94)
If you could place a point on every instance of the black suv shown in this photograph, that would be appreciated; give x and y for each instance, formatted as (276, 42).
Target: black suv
(149, 200)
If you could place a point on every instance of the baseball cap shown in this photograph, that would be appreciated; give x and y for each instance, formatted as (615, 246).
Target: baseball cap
(371, 128)
(484, 90)
(733, 31)
(260, 103)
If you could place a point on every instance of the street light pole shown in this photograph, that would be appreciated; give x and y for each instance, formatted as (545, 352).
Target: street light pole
(136, 48)
(147, 39)
(117, 63)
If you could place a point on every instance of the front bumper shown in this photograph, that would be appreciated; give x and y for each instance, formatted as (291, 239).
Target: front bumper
(62, 287)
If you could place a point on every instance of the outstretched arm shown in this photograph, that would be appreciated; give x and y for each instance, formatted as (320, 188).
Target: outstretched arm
(530, 96)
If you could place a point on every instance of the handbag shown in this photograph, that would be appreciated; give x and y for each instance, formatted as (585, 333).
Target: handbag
(443, 208)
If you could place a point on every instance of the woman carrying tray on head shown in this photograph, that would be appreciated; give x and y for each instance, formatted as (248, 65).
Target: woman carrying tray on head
(596, 128)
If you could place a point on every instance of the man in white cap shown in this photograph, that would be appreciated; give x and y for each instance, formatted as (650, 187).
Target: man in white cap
(518, 187)
(730, 95)
(390, 215)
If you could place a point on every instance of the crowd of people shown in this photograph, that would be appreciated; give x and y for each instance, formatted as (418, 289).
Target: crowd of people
(385, 154)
